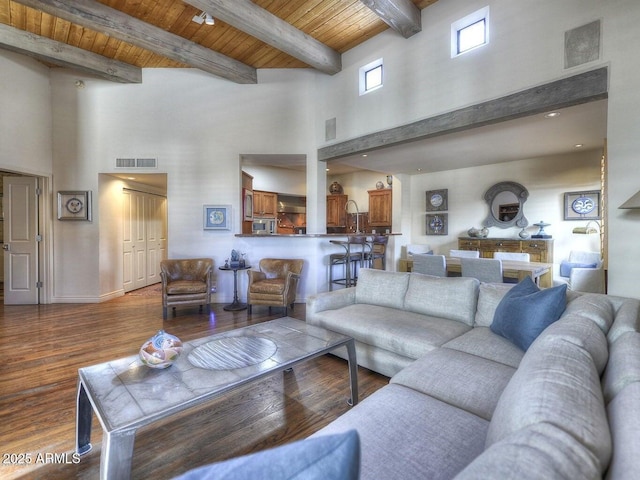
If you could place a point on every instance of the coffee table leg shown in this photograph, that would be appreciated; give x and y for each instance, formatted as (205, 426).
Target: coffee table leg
(353, 372)
(116, 456)
(84, 414)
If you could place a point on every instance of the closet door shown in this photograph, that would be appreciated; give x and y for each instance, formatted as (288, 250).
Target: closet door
(135, 240)
(156, 225)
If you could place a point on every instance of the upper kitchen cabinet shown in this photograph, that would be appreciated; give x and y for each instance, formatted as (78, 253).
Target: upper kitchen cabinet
(380, 207)
(265, 204)
(336, 211)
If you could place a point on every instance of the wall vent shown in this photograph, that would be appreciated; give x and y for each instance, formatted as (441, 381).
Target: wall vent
(136, 163)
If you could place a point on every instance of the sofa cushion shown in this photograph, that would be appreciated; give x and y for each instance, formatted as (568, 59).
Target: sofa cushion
(624, 365)
(379, 287)
(459, 379)
(406, 333)
(627, 319)
(489, 297)
(451, 298)
(482, 342)
(539, 451)
(624, 416)
(594, 306)
(556, 383)
(331, 457)
(525, 311)
(403, 435)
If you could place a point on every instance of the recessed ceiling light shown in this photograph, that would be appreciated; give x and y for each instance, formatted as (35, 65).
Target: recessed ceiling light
(326, 169)
(364, 155)
(579, 145)
(552, 115)
(418, 169)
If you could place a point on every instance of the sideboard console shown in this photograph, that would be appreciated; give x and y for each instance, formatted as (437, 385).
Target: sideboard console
(540, 250)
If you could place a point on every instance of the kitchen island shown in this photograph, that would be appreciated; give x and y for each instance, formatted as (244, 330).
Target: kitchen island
(313, 248)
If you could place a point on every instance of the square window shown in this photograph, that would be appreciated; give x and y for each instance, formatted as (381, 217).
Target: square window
(470, 32)
(370, 77)
(471, 36)
(373, 78)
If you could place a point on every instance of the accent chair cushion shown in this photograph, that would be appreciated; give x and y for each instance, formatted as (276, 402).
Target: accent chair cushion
(525, 311)
(324, 457)
(566, 267)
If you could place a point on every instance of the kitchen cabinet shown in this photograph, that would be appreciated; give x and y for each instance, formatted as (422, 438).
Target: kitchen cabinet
(336, 212)
(380, 207)
(539, 250)
(265, 204)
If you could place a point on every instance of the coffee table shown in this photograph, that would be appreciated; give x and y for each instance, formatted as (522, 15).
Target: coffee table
(126, 395)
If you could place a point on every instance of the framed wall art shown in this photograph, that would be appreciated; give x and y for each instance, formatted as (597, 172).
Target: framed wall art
(217, 217)
(437, 200)
(582, 205)
(74, 205)
(437, 224)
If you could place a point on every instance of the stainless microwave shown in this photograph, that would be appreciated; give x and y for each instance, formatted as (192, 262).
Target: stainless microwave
(264, 226)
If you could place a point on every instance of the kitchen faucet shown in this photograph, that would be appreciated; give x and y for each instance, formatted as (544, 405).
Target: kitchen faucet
(346, 207)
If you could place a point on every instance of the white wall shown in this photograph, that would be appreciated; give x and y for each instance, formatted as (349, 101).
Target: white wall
(279, 180)
(546, 179)
(196, 126)
(421, 80)
(25, 115)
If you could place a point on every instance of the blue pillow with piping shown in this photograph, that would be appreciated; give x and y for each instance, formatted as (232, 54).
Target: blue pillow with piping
(526, 310)
(566, 267)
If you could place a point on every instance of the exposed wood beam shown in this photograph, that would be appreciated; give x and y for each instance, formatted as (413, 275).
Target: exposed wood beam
(263, 25)
(99, 17)
(401, 15)
(65, 55)
(578, 89)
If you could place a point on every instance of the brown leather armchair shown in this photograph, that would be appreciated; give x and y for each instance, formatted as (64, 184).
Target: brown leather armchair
(275, 284)
(186, 281)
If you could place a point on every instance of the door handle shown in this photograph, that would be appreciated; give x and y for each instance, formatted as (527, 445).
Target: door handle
(5, 247)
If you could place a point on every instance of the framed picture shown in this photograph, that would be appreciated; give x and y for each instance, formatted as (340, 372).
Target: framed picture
(437, 224)
(217, 217)
(248, 204)
(582, 205)
(74, 205)
(437, 200)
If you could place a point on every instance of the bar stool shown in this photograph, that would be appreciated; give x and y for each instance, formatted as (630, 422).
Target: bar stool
(351, 259)
(377, 251)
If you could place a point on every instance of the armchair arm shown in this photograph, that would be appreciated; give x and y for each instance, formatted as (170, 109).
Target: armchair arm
(290, 287)
(587, 280)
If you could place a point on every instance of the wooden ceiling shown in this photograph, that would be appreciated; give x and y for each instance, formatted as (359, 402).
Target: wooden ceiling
(116, 38)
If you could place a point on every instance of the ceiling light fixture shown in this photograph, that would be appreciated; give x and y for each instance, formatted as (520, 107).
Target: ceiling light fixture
(552, 115)
(579, 145)
(203, 18)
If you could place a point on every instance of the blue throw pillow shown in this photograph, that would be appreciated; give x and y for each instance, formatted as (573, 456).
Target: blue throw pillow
(324, 458)
(525, 311)
(566, 267)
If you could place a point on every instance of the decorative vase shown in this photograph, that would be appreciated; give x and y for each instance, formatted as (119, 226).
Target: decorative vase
(379, 185)
(523, 234)
(335, 188)
(161, 350)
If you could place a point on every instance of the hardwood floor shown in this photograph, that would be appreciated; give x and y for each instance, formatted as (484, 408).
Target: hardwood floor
(43, 346)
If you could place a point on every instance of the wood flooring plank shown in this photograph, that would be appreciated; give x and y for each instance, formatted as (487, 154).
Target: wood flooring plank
(44, 345)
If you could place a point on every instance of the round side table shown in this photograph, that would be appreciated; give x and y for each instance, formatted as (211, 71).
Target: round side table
(235, 305)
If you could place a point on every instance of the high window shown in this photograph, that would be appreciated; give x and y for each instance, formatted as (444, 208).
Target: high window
(371, 76)
(470, 32)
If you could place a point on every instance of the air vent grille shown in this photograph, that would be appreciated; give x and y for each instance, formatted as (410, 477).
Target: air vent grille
(136, 163)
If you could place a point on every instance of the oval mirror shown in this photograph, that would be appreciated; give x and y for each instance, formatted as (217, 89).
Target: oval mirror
(506, 202)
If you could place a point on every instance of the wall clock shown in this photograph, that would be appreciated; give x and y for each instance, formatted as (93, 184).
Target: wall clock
(74, 205)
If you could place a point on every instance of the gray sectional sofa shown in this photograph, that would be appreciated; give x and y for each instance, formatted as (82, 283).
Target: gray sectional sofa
(464, 402)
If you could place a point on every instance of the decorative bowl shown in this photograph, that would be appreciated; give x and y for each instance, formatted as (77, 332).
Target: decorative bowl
(161, 350)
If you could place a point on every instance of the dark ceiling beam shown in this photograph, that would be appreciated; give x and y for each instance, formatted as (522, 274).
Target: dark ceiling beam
(64, 55)
(263, 25)
(99, 17)
(575, 90)
(401, 15)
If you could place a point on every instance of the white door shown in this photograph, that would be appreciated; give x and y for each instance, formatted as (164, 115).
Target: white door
(156, 236)
(20, 199)
(135, 240)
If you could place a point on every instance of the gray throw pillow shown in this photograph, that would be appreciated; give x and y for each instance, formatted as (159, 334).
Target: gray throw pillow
(525, 311)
